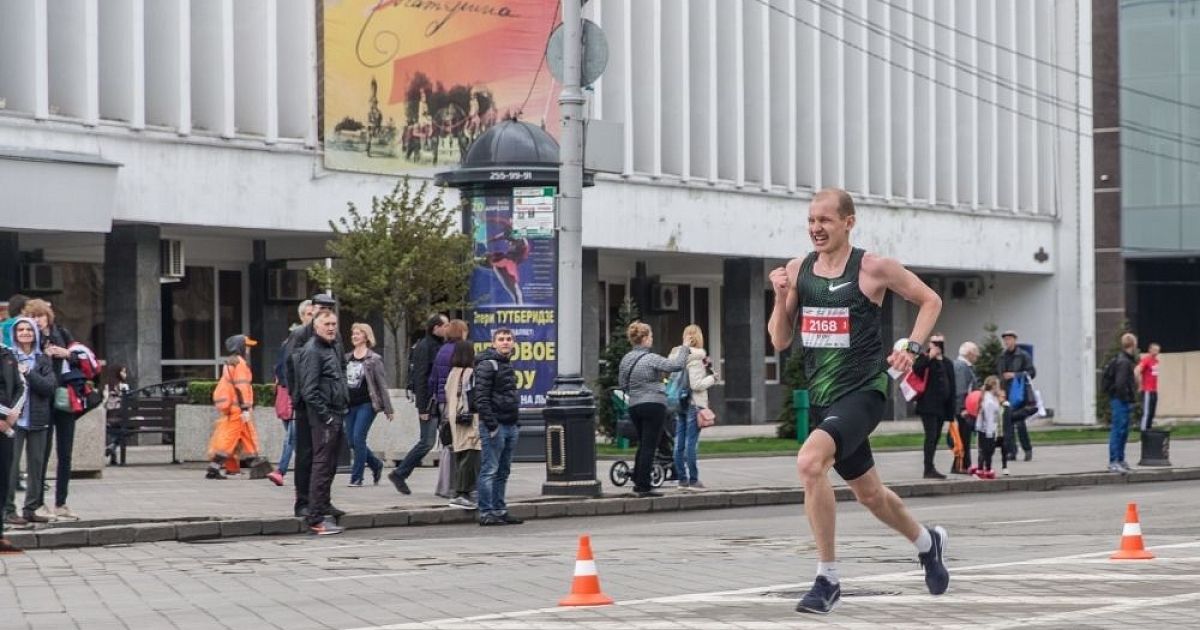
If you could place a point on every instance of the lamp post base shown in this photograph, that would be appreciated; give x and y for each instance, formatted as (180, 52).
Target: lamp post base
(570, 415)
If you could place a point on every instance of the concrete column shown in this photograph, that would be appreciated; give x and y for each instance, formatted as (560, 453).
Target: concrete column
(10, 265)
(133, 301)
(257, 278)
(743, 342)
(591, 315)
(1110, 285)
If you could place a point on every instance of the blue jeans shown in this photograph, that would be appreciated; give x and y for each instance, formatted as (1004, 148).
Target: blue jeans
(496, 454)
(419, 450)
(687, 435)
(1118, 435)
(289, 444)
(358, 425)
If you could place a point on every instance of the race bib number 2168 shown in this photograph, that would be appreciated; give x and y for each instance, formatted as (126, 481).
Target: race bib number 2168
(825, 327)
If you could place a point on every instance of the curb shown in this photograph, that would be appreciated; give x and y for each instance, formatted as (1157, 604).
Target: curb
(193, 529)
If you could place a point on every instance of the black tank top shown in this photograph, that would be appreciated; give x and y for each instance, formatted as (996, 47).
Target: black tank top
(840, 333)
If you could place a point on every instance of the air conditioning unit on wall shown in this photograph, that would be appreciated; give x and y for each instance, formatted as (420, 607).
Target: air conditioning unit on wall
(171, 256)
(664, 298)
(41, 278)
(287, 285)
(965, 288)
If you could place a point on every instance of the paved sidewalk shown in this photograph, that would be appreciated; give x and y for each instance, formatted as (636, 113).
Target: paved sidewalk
(175, 502)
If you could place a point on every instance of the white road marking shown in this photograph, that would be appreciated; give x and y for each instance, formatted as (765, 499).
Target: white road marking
(1104, 612)
(496, 620)
(1028, 520)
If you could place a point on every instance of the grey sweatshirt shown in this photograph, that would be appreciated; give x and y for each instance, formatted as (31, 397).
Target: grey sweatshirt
(643, 381)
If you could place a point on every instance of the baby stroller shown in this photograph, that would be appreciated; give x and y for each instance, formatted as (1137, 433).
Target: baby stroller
(664, 456)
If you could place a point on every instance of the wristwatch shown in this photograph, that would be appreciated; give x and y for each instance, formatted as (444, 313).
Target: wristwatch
(911, 346)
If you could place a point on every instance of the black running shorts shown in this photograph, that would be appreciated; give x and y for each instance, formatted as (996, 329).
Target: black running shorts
(850, 421)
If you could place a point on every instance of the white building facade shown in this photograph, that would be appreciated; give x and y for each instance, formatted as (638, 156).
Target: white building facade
(961, 128)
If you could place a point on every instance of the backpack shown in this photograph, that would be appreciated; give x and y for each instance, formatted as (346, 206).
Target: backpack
(678, 391)
(1108, 379)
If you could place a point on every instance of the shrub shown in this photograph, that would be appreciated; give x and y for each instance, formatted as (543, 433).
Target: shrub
(200, 393)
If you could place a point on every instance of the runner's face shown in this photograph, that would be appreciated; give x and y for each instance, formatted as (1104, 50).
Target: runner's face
(828, 230)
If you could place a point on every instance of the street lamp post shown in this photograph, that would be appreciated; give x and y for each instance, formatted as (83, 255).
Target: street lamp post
(570, 407)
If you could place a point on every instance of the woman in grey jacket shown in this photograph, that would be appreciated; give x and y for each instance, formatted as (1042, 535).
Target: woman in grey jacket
(368, 396)
(640, 375)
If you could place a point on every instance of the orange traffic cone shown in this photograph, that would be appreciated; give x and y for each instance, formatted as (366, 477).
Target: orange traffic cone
(585, 590)
(1132, 547)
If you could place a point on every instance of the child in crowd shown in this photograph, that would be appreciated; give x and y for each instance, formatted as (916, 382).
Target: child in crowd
(990, 426)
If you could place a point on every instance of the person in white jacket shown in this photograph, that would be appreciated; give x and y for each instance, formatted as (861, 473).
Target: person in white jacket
(990, 426)
(687, 427)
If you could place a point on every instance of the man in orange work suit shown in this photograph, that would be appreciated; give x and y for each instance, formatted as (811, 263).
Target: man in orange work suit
(233, 398)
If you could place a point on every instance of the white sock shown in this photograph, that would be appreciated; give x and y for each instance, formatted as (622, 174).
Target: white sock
(924, 541)
(829, 570)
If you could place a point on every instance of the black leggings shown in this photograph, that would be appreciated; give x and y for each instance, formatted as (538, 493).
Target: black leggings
(649, 419)
(987, 447)
(933, 430)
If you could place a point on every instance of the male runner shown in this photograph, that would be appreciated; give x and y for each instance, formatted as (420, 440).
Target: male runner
(834, 296)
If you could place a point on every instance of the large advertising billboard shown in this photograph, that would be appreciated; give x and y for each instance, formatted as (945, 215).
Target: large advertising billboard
(409, 84)
(514, 284)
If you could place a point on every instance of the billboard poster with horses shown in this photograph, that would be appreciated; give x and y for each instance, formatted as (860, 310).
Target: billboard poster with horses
(409, 84)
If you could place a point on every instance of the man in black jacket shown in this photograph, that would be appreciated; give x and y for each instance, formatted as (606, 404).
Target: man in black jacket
(326, 397)
(936, 404)
(1011, 364)
(1122, 393)
(12, 399)
(422, 362)
(293, 348)
(499, 406)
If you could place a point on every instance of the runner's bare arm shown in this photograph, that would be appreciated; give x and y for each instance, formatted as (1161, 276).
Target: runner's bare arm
(889, 273)
(780, 327)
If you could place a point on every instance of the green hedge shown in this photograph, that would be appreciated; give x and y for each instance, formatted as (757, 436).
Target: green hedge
(200, 393)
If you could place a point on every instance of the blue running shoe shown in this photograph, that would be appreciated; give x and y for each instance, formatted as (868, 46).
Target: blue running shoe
(822, 599)
(937, 578)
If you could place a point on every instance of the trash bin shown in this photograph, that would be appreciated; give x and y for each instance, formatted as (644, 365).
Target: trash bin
(1156, 448)
(800, 405)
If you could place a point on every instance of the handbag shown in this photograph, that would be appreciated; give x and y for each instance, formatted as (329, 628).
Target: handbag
(464, 418)
(706, 418)
(283, 403)
(62, 398)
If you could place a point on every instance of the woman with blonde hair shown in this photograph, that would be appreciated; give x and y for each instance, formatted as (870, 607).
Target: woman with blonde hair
(640, 375)
(367, 381)
(687, 424)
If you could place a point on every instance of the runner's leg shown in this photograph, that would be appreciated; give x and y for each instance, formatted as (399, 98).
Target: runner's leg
(813, 463)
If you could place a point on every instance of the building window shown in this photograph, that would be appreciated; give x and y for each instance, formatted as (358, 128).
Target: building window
(199, 312)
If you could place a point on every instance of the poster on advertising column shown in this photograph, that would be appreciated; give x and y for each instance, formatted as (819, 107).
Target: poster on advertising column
(515, 283)
(409, 84)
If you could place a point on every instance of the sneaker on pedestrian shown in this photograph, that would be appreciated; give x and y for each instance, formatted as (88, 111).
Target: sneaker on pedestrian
(1029, 456)
(400, 483)
(647, 494)
(937, 578)
(326, 527)
(47, 513)
(509, 519)
(8, 549)
(934, 474)
(377, 473)
(696, 485)
(1125, 466)
(276, 477)
(684, 485)
(462, 503)
(1114, 467)
(64, 513)
(1002, 472)
(355, 484)
(213, 473)
(34, 517)
(822, 598)
(488, 520)
(15, 520)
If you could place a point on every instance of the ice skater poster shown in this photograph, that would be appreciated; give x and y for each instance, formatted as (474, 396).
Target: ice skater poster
(514, 284)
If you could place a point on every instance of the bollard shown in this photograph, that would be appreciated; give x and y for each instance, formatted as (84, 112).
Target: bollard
(800, 406)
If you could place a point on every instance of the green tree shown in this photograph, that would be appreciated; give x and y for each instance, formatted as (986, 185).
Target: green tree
(793, 379)
(989, 354)
(608, 379)
(405, 259)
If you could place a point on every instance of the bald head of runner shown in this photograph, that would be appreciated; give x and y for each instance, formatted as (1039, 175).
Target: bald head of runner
(830, 219)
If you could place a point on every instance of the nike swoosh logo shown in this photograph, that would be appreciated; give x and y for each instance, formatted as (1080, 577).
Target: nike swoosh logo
(835, 287)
